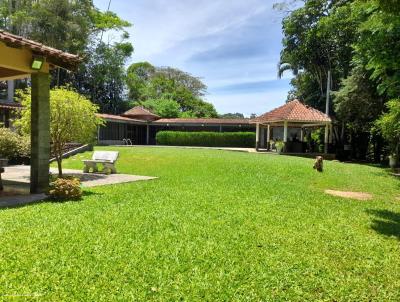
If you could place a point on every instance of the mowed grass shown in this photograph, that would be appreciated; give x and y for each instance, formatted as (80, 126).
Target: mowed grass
(215, 226)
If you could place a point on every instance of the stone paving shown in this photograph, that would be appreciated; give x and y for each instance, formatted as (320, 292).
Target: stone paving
(16, 183)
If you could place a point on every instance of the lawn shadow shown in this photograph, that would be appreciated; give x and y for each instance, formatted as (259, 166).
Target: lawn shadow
(22, 201)
(386, 222)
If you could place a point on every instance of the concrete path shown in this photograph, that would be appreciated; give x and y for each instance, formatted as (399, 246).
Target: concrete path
(16, 183)
(247, 150)
(21, 174)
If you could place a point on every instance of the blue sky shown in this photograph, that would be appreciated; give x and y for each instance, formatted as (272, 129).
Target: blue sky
(233, 45)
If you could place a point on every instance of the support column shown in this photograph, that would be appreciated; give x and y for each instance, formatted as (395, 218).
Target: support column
(40, 132)
(148, 134)
(285, 133)
(10, 90)
(330, 134)
(268, 136)
(302, 134)
(257, 136)
(220, 128)
(326, 138)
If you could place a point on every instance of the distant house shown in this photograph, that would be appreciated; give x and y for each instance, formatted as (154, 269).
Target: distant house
(7, 104)
(288, 123)
(141, 126)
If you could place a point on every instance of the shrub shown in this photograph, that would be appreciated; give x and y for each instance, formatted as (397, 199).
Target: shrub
(13, 145)
(65, 188)
(206, 139)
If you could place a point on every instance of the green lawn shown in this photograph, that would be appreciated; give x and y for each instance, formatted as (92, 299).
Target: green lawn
(215, 226)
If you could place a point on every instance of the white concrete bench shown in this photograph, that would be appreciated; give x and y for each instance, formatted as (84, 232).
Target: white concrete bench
(106, 158)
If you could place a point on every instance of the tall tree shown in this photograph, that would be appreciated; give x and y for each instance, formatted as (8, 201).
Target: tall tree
(318, 38)
(149, 83)
(102, 77)
(72, 119)
(77, 27)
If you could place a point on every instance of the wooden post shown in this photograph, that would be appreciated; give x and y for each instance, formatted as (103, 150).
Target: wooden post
(285, 134)
(302, 134)
(10, 90)
(40, 132)
(268, 136)
(257, 136)
(148, 134)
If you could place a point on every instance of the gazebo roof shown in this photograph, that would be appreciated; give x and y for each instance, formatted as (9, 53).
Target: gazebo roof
(140, 113)
(293, 111)
(53, 56)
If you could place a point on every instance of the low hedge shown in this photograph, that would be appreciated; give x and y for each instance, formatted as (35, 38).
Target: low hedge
(206, 139)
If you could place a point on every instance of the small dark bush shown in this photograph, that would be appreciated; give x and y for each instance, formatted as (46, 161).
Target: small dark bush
(65, 188)
(14, 146)
(206, 139)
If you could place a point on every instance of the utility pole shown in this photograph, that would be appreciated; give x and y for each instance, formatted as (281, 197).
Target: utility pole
(328, 92)
(102, 32)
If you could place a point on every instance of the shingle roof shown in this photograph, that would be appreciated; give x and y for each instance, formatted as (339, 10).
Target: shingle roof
(141, 113)
(111, 117)
(294, 111)
(202, 121)
(9, 105)
(53, 56)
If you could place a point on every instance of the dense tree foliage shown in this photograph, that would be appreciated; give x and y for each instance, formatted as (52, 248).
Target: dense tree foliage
(102, 77)
(77, 27)
(389, 125)
(148, 85)
(357, 41)
(72, 119)
(236, 115)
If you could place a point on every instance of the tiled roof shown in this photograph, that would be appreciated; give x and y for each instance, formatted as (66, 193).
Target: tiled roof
(53, 56)
(203, 121)
(111, 117)
(141, 113)
(294, 111)
(9, 105)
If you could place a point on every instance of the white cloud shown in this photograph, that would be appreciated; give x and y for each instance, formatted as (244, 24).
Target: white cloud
(225, 42)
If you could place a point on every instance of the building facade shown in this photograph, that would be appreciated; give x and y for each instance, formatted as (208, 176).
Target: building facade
(140, 126)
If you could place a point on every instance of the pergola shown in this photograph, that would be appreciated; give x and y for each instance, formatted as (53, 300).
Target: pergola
(22, 58)
(293, 114)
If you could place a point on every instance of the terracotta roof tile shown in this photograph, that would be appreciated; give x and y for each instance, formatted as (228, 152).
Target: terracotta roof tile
(141, 113)
(10, 105)
(202, 121)
(53, 56)
(294, 111)
(118, 118)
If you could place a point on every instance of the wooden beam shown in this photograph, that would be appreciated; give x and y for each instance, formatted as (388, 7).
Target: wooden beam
(18, 60)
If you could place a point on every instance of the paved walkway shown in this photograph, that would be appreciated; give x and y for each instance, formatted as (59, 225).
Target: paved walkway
(16, 183)
(248, 150)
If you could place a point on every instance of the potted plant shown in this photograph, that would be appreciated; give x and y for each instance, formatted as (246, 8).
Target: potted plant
(279, 145)
(393, 161)
(389, 125)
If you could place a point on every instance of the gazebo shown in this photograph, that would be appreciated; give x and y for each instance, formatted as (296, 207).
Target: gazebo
(293, 118)
(22, 58)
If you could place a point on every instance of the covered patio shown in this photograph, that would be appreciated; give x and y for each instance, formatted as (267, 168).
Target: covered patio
(22, 58)
(290, 124)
